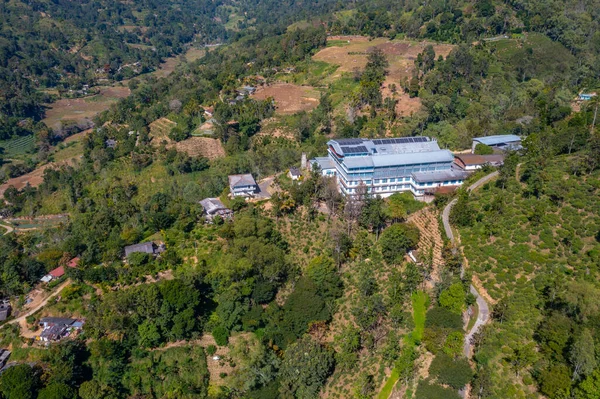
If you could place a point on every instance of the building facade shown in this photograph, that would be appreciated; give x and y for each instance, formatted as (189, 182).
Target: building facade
(242, 185)
(387, 166)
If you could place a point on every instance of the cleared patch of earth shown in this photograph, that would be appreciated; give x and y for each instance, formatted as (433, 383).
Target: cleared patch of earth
(194, 146)
(82, 110)
(401, 54)
(289, 98)
(34, 178)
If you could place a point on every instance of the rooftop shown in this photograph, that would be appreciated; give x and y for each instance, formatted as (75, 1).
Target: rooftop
(397, 159)
(472, 159)
(295, 172)
(499, 139)
(241, 180)
(439, 175)
(212, 205)
(323, 162)
(65, 321)
(147, 247)
(379, 147)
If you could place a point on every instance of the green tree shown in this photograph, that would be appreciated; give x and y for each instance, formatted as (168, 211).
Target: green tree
(453, 298)
(456, 373)
(454, 344)
(482, 149)
(149, 334)
(305, 367)
(322, 271)
(583, 354)
(397, 240)
(57, 391)
(19, 382)
(589, 387)
(555, 381)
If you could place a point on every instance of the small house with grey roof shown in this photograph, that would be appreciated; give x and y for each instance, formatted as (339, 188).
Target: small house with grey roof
(242, 185)
(144, 247)
(388, 166)
(214, 207)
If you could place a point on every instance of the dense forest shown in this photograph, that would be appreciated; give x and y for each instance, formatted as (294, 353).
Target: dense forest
(307, 294)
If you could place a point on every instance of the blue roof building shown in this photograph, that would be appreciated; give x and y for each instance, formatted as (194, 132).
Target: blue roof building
(501, 142)
(387, 166)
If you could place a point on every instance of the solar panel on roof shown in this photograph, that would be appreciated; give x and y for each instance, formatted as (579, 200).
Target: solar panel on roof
(349, 141)
(361, 148)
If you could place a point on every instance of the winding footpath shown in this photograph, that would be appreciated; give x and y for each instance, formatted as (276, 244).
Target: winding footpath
(484, 310)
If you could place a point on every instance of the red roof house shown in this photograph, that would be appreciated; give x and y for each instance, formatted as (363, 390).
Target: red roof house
(60, 271)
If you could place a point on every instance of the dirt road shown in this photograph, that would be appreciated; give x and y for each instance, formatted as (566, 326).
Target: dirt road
(21, 320)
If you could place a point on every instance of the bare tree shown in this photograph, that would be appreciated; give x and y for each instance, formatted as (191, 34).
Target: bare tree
(331, 194)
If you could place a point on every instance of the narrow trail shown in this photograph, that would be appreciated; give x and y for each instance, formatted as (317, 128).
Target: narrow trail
(9, 228)
(21, 320)
(484, 311)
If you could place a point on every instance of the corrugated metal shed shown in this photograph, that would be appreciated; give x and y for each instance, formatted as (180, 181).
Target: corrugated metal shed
(147, 247)
(498, 139)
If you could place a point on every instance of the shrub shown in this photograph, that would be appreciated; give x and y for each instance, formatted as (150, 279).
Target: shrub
(456, 373)
(443, 318)
(221, 335)
(211, 350)
(431, 391)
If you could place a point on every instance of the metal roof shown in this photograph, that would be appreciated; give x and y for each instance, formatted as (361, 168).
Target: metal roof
(212, 205)
(439, 175)
(323, 162)
(376, 147)
(241, 180)
(416, 158)
(147, 247)
(295, 172)
(472, 159)
(65, 321)
(499, 139)
(359, 162)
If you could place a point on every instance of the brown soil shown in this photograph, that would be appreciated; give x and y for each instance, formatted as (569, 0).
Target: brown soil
(400, 53)
(289, 98)
(34, 178)
(82, 109)
(193, 146)
(77, 137)
(201, 146)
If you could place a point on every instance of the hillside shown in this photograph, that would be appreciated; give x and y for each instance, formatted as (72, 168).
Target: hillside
(299, 292)
(536, 253)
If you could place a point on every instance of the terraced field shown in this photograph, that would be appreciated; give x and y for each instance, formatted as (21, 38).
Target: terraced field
(17, 146)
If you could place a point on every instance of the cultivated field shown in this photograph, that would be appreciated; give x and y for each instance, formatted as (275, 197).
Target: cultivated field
(201, 146)
(289, 98)
(350, 53)
(80, 110)
(193, 146)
